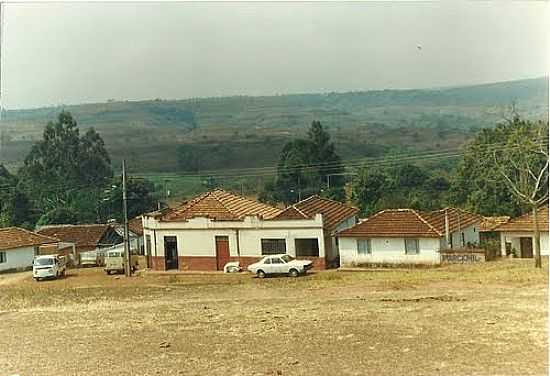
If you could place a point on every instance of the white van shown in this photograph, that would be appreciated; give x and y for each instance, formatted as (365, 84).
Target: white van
(48, 266)
(114, 261)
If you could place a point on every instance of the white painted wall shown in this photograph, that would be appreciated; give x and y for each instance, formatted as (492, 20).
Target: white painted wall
(471, 235)
(197, 237)
(514, 238)
(389, 251)
(18, 258)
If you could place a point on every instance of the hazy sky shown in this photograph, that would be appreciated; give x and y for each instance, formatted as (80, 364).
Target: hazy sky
(69, 53)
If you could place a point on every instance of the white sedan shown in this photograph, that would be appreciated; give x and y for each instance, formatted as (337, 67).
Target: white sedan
(280, 264)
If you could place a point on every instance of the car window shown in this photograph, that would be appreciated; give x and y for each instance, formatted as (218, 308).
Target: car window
(277, 260)
(267, 261)
(286, 258)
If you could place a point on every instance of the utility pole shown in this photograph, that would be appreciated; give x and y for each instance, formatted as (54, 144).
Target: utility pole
(127, 256)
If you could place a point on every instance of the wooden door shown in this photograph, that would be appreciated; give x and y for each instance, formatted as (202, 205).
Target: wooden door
(222, 251)
(526, 245)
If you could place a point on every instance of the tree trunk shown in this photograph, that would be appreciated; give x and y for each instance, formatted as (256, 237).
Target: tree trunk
(536, 239)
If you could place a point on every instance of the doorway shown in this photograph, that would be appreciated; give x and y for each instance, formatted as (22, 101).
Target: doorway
(222, 251)
(171, 252)
(526, 247)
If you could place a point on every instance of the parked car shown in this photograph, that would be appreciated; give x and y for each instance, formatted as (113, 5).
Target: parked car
(114, 262)
(280, 264)
(48, 266)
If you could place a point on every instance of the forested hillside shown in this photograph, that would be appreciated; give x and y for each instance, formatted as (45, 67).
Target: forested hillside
(236, 132)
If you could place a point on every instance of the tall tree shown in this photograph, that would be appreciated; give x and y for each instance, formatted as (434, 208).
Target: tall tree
(307, 166)
(522, 163)
(477, 185)
(140, 199)
(63, 165)
(15, 208)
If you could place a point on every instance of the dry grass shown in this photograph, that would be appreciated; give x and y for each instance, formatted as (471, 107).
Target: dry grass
(484, 319)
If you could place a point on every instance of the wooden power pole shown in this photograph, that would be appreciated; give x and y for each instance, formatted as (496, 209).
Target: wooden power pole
(127, 256)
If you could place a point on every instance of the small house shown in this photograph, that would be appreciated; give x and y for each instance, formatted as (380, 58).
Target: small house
(407, 236)
(517, 234)
(18, 247)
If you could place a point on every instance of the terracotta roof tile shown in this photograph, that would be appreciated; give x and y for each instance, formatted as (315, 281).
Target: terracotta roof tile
(84, 236)
(393, 223)
(15, 237)
(524, 223)
(136, 225)
(219, 205)
(458, 219)
(488, 224)
(333, 212)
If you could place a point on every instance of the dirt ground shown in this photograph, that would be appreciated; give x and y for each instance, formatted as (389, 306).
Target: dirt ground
(486, 319)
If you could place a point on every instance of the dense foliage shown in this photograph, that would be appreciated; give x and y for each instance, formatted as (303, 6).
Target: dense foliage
(403, 186)
(478, 184)
(307, 166)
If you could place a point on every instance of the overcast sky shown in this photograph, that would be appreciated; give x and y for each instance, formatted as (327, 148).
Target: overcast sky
(68, 53)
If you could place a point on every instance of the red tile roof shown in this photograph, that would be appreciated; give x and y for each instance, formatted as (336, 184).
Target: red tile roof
(15, 237)
(524, 223)
(488, 224)
(84, 236)
(218, 205)
(393, 223)
(411, 223)
(136, 225)
(458, 219)
(333, 212)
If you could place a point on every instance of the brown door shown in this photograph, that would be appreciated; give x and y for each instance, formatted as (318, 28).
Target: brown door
(222, 251)
(526, 245)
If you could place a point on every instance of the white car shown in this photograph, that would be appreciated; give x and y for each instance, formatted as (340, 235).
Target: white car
(280, 264)
(48, 266)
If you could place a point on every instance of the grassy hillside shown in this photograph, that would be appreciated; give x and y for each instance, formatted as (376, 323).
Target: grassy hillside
(237, 132)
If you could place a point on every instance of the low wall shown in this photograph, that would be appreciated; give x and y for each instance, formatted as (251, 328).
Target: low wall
(465, 256)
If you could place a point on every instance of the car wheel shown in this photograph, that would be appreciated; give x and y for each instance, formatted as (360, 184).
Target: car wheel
(108, 272)
(36, 279)
(260, 274)
(293, 273)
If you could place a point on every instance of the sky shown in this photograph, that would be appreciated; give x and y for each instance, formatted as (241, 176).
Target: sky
(70, 53)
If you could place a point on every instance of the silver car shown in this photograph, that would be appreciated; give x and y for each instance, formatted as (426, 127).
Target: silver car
(280, 264)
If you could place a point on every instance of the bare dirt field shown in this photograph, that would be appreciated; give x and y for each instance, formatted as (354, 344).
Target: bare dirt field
(486, 319)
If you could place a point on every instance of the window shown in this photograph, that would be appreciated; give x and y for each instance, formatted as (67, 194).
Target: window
(307, 247)
(411, 246)
(273, 246)
(364, 247)
(3, 257)
(276, 260)
(267, 261)
(463, 240)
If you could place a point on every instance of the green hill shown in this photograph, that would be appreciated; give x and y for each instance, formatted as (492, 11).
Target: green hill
(242, 131)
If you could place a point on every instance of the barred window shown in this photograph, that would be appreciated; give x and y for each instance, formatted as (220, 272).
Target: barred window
(273, 246)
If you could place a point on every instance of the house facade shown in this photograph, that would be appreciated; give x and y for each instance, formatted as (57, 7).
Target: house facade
(407, 236)
(517, 235)
(217, 227)
(84, 238)
(18, 247)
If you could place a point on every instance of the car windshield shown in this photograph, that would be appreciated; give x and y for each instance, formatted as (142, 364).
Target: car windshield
(114, 254)
(43, 261)
(286, 258)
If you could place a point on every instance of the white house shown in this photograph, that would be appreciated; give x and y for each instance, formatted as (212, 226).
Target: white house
(19, 246)
(517, 234)
(216, 227)
(406, 236)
